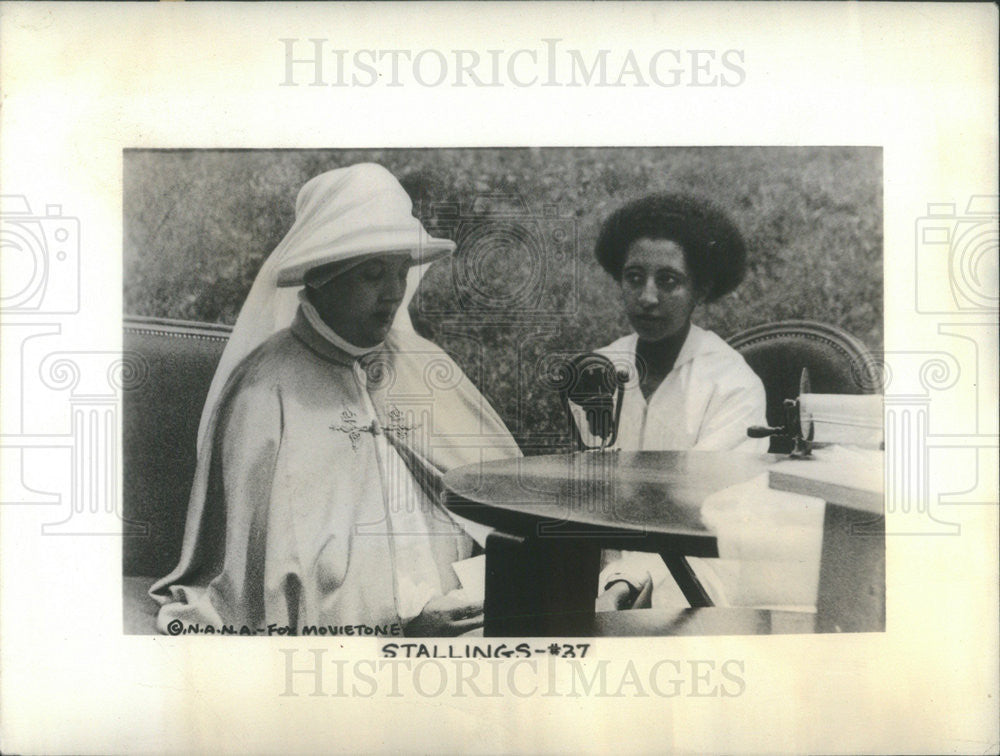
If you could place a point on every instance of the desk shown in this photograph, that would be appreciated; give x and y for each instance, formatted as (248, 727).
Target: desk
(554, 514)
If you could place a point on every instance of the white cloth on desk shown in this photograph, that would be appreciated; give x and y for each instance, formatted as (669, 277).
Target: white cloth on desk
(769, 545)
(706, 403)
(770, 541)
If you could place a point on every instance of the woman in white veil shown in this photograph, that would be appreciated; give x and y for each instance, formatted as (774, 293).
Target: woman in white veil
(326, 429)
(321, 214)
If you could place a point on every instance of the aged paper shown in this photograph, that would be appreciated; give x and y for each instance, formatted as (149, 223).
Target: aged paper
(83, 83)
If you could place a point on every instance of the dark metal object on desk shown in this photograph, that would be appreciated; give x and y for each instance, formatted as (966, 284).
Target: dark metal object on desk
(596, 387)
(802, 438)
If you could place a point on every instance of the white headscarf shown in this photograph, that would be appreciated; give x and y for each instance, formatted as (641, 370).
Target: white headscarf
(347, 213)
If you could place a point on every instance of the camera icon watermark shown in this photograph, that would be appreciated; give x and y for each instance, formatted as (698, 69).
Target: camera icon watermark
(956, 258)
(41, 259)
(509, 261)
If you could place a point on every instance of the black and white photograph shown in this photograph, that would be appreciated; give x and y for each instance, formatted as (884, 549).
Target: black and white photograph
(492, 378)
(509, 392)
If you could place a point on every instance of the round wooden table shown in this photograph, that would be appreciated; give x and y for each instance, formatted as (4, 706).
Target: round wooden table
(554, 514)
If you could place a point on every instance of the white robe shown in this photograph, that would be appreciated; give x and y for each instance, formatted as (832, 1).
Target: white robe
(706, 403)
(315, 501)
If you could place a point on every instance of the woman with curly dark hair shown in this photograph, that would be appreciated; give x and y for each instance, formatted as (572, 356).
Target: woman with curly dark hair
(669, 253)
(690, 390)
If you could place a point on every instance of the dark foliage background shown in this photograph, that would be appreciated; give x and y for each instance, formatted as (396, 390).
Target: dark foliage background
(523, 285)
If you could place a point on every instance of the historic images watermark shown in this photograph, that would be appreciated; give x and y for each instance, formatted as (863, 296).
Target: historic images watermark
(319, 62)
(41, 290)
(41, 259)
(959, 249)
(511, 671)
(956, 289)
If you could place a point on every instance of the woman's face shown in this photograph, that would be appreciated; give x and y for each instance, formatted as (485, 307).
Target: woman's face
(360, 304)
(657, 288)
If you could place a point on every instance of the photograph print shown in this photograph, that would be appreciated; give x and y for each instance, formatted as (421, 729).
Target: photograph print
(510, 392)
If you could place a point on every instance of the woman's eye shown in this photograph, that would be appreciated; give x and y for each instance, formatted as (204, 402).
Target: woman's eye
(633, 279)
(668, 281)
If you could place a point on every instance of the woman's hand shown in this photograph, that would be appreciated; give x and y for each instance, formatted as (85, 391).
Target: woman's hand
(452, 614)
(620, 594)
